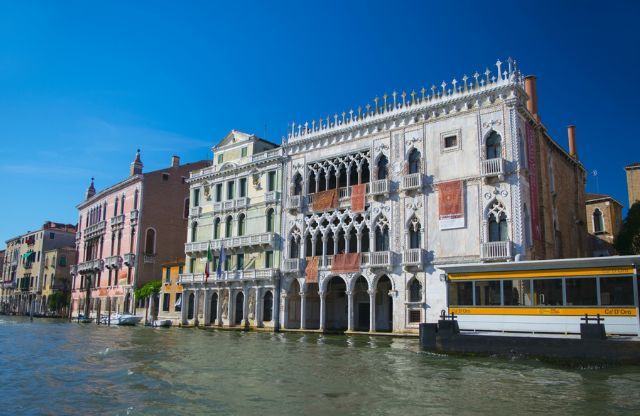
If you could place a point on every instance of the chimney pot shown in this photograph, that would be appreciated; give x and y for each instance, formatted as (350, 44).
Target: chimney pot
(571, 133)
(175, 161)
(530, 89)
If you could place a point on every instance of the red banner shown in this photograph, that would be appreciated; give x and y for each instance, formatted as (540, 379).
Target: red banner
(325, 200)
(358, 196)
(311, 271)
(346, 263)
(451, 205)
(533, 184)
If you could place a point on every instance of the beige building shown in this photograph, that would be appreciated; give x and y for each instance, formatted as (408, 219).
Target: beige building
(57, 279)
(604, 220)
(633, 183)
(170, 302)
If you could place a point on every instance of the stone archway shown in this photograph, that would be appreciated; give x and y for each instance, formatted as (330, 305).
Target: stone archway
(384, 305)
(293, 305)
(213, 310)
(336, 304)
(312, 307)
(239, 309)
(190, 306)
(361, 305)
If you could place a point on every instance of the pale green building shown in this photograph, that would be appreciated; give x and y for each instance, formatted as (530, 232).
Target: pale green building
(234, 206)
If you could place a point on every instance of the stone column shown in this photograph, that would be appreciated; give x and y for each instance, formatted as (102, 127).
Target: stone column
(230, 316)
(322, 309)
(372, 310)
(359, 241)
(350, 311)
(185, 306)
(324, 250)
(285, 311)
(207, 306)
(258, 312)
(196, 306)
(245, 306)
(303, 301)
(219, 308)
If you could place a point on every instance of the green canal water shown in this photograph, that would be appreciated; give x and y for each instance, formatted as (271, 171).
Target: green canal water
(54, 367)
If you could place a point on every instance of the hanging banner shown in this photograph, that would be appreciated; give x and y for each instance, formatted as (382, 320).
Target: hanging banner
(358, 196)
(451, 205)
(533, 184)
(311, 271)
(346, 263)
(325, 200)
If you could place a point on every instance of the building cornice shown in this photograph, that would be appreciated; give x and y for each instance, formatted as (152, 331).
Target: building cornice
(210, 172)
(120, 185)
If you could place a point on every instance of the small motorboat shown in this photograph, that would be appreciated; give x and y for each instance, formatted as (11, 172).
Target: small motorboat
(162, 323)
(121, 319)
(81, 319)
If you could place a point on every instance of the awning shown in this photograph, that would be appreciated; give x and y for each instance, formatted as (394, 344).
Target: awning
(27, 254)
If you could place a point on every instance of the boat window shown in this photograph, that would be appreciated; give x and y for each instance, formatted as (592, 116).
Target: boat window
(547, 291)
(517, 292)
(461, 294)
(581, 291)
(487, 292)
(616, 291)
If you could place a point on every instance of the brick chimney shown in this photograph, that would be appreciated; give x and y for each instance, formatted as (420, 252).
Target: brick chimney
(530, 88)
(571, 133)
(175, 161)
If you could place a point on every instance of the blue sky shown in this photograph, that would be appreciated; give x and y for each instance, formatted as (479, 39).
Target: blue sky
(83, 84)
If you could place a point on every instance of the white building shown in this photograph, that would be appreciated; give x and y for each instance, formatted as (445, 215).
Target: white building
(463, 172)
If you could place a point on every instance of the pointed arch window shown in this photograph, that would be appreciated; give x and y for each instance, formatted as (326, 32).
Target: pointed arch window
(241, 224)
(598, 221)
(227, 227)
(297, 184)
(194, 232)
(270, 220)
(294, 244)
(494, 146)
(383, 167)
(150, 242)
(414, 233)
(382, 234)
(414, 161)
(415, 290)
(497, 219)
(312, 182)
(216, 229)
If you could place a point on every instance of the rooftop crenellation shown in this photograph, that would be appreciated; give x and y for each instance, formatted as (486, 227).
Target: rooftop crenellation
(396, 102)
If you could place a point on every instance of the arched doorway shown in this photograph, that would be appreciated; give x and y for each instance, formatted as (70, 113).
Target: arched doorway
(336, 304)
(127, 301)
(267, 307)
(239, 308)
(312, 307)
(361, 305)
(384, 305)
(293, 305)
(213, 313)
(190, 306)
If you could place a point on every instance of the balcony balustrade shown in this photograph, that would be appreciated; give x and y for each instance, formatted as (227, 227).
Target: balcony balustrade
(134, 216)
(232, 275)
(293, 265)
(113, 262)
(195, 212)
(230, 205)
(412, 181)
(255, 240)
(129, 259)
(149, 258)
(117, 221)
(492, 167)
(496, 250)
(413, 257)
(74, 270)
(294, 202)
(95, 230)
(380, 187)
(380, 259)
(91, 266)
(271, 197)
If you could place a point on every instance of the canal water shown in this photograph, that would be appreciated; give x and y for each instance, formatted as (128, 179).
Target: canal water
(53, 367)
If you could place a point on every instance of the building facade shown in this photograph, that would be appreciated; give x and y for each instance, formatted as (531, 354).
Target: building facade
(377, 198)
(236, 209)
(170, 302)
(126, 232)
(24, 271)
(604, 220)
(56, 284)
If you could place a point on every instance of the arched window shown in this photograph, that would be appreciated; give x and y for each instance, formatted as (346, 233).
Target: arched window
(267, 308)
(115, 207)
(383, 168)
(194, 232)
(216, 229)
(598, 221)
(150, 242)
(227, 227)
(122, 205)
(297, 184)
(136, 196)
(365, 174)
(414, 233)
(270, 220)
(311, 182)
(497, 219)
(241, 224)
(294, 244)
(382, 234)
(185, 211)
(415, 290)
(414, 161)
(494, 146)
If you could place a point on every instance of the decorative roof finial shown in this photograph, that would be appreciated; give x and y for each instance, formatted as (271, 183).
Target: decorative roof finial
(91, 190)
(136, 165)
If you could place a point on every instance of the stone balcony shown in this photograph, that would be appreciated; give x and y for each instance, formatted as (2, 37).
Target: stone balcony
(117, 222)
(372, 260)
(254, 240)
(113, 262)
(271, 197)
(380, 187)
(129, 259)
(496, 250)
(134, 216)
(95, 230)
(294, 202)
(73, 270)
(492, 167)
(293, 265)
(91, 266)
(413, 258)
(233, 204)
(233, 275)
(411, 182)
(195, 212)
(149, 258)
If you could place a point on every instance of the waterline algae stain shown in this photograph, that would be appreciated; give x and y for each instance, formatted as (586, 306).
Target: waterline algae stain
(52, 367)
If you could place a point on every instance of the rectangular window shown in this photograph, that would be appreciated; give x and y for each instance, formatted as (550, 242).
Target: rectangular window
(243, 152)
(167, 274)
(517, 292)
(220, 158)
(243, 187)
(52, 236)
(178, 304)
(450, 142)
(461, 294)
(487, 293)
(180, 269)
(165, 177)
(271, 181)
(581, 291)
(192, 265)
(414, 316)
(230, 190)
(547, 291)
(616, 291)
(219, 192)
(268, 259)
(196, 197)
(240, 262)
(165, 302)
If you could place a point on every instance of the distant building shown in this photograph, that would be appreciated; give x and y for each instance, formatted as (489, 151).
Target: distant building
(126, 232)
(236, 208)
(24, 271)
(604, 220)
(57, 279)
(633, 183)
(170, 301)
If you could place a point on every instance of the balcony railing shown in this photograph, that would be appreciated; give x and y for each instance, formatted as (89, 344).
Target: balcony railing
(117, 220)
(496, 250)
(113, 262)
(255, 274)
(412, 257)
(134, 216)
(149, 258)
(195, 211)
(380, 187)
(264, 239)
(271, 197)
(95, 230)
(492, 167)
(294, 202)
(74, 270)
(230, 205)
(129, 259)
(380, 259)
(91, 266)
(412, 181)
(293, 265)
